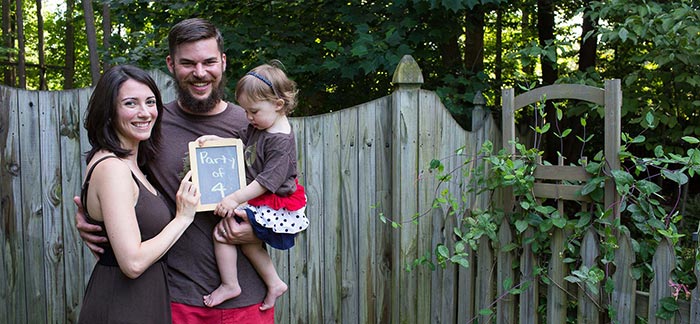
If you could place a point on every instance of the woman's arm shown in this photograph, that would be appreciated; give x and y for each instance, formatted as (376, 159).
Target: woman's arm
(117, 199)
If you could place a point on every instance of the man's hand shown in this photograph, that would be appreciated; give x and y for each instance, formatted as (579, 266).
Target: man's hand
(232, 232)
(87, 230)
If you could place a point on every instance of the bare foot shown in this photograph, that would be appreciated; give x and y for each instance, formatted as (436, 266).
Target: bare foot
(221, 294)
(272, 293)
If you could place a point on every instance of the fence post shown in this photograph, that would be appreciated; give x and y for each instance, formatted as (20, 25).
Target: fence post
(478, 112)
(405, 123)
(407, 75)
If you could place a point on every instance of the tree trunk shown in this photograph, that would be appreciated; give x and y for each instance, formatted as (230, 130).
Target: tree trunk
(42, 58)
(526, 34)
(449, 45)
(589, 43)
(21, 61)
(106, 33)
(474, 43)
(545, 30)
(91, 40)
(498, 64)
(7, 41)
(69, 69)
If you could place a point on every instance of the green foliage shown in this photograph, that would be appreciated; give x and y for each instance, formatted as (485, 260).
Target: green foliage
(653, 47)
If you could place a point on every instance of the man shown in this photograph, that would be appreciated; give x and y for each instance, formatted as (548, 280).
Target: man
(197, 62)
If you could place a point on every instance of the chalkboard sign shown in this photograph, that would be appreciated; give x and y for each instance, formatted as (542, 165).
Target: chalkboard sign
(217, 169)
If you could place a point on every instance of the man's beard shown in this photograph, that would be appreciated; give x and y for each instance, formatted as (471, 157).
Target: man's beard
(195, 105)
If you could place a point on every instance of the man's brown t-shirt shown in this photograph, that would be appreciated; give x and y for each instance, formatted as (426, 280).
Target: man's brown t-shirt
(193, 272)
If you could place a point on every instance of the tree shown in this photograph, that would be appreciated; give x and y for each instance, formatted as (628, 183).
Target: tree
(21, 63)
(7, 42)
(42, 61)
(69, 69)
(91, 40)
(106, 32)
(589, 41)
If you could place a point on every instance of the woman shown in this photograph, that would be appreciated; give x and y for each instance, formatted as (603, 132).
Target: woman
(129, 281)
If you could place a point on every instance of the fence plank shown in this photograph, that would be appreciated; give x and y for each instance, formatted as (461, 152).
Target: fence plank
(382, 244)
(695, 298)
(445, 280)
(349, 227)
(505, 306)
(71, 179)
(51, 206)
(562, 91)
(662, 264)
(14, 298)
(484, 279)
(369, 206)
(623, 297)
(404, 175)
(30, 166)
(559, 191)
(556, 296)
(332, 226)
(314, 148)
(529, 296)
(561, 172)
(589, 301)
(88, 260)
(431, 221)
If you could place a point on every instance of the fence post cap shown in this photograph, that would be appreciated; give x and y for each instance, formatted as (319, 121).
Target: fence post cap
(407, 72)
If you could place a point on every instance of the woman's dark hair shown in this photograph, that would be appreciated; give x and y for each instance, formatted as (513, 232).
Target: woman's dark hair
(102, 111)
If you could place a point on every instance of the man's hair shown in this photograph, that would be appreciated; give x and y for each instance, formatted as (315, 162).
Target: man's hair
(192, 30)
(102, 114)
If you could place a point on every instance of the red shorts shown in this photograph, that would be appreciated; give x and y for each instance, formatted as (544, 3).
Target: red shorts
(186, 314)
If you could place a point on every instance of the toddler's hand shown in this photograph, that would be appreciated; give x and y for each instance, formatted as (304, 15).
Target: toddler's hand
(226, 206)
(205, 138)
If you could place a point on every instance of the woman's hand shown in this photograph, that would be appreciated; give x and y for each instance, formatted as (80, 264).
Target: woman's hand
(187, 198)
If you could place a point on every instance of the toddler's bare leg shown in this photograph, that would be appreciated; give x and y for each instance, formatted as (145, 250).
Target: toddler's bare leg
(263, 264)
(226, 258)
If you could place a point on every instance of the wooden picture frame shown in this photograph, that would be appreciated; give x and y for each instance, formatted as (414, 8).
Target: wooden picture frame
(218, 170)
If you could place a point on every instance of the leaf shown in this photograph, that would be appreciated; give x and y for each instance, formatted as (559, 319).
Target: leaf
(486, 312)
(658, 151)
(649, 118)
(675, 176)
(623, 33)
(690, 139)
(443, 251)
(647, 187)
(359, 50)
(559, 222)
(434, 164)
(521, 225)
(507, 284)
(462, 261)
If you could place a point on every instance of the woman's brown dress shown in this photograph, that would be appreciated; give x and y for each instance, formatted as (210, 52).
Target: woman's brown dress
(111, 296)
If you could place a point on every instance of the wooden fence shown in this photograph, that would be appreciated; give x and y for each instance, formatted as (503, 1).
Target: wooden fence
(357, 164)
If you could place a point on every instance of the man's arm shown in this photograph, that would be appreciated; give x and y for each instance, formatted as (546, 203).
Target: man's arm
(232, 232)
(87, 230)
